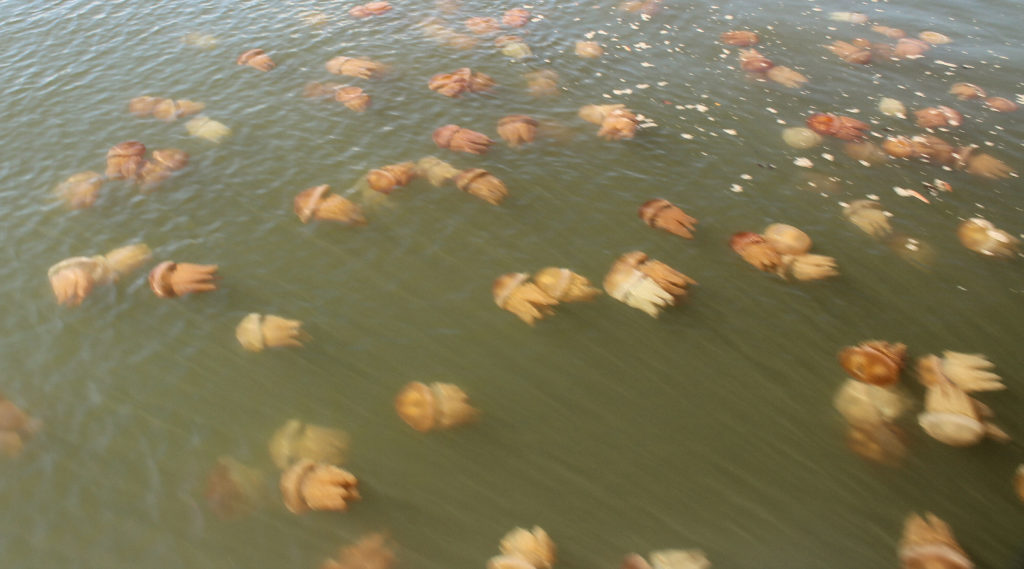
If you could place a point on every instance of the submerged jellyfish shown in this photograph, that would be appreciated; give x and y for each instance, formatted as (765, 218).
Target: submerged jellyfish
(531, 545)
(372, 551)
(755, 250)
(739, 38)
(515, 18)
(786, 239)
(80, 190)
(125, 160)
(517, 129)
(981, 236)
(15, 426)
(617, 122)
(874, 361)
(969, 372)
(892, 107)
(482, 184)
(928, 542)
(436, 171)
(386, 178)
(171, 280)
(936, 117)
(564, 285)
(482, 25)
(317, 203)
(256, 58)
(370, 9)
(910, 48)
(256, 332)
(845, 128)
(296, 441)
(437, 406)
(309, 485)
(589, 49)
(850, 53)
(865, 404)
(542, 83)
(800, 137)
(234, 490)
(74, 278)
(880, 442)
(515, 293)
(352, 97)
(954, 418)
(207, 129)
(458, 139)
(460, 81)
(662, 214)
(354, 67)
(1000, 104)
(514, 47)
(645, 284)
(786, 76)
(167, 110)
(752, 61)
(964, 91)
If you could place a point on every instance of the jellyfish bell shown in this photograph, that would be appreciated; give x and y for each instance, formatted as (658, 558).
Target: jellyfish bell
(589, 49)
(533, 545)
(928, 543)
(952, 417)
(634, 561)
(508, 562)
(645, 284)
(515, 18)
(296, 440)
(964, 91)
(889, 32)
(171, 280)
(124, 159)
(207, 129)
(806, 267)
(481, 184)
(436, 171)
(370, 9)
(869, 217)
(143, 106)
(620, 124)
(936, 117)
(354, 67)
(934, 38)
(786, 239)
(845, 128)
(564, 285)
(866, 151)
(233, 489)
(352, 97)
(892, 107)
(450, 84)
(542, 83)
(910, 48)
(1000, 104)
(983, 237)
(308, 485)
(874, 361)
(256, 332)
(739, 38)
(663, 214)
(517, 129)
(482, 25)
(752, 61)
(257, 59)
(80, 190)
(679, 559)
(800, 137)
(980, 164)
(170, 158)
(850, 53)
(437, 406)
(387, 178)
(865, 404)
(318, 203)
(755, 250)
(969, 372)
(513, 292)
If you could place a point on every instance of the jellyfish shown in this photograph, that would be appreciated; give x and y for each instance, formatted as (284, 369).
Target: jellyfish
(354, 67)
(981, 236)
(533, 546)
(800, 137)
(752, 61)
(481, 25)
(387, 178)
(80, 190)
(679, 559)
(878, 442)
(459, 81)
(969, 372)
(755, 250)
(645, 284)
(517, 129)
(169, 110)
(807, 267)
(125, 159)
(436, 171)
(369, 9)
(935, 117)
(515, 18)
(739, 38)
(508, 562)
(309, 485)
(482, 184)
(316, 203)
(589, 49)
(352, 97)
(256, 332)
(200, 40)
(171, 280)
(165, 162)
(866, 152)
(617, 122)
(934, 38)
(74, 278)
(928, 542)
(845, 128)
(866, 404)
(458, 139)
(207, 129)
(889, 32)
(786, 76)
(234, 490)
(892, 107)
(513, 46)
(979, 164)
(914, 251)
(1000, 104)
(542, 83)
(786, 239)
(954, 418)
(256, 58)
(663, 214)
(910, 48)
(296, 441)
(372, 551)
(437, 406)
(143, 105)
(964, 91)
(850, 53)
(15, 426)
(874, 361)
(564, 285)
(513, 292)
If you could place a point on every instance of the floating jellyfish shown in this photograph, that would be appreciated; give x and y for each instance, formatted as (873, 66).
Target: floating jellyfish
(564, 285)
(752, 61)
(910, 48)
(892, 107)
(80, 190)
(234, 490)
(513, 292)
(508, 562)
(850, 53)
(542, 83)
(964, 91)
(889, 32)
(15, 426)
(849, 17)
(125, 159)
(372, 551)
(589, 49)
(369, 9)
(645, 284)
(433, 407)
(865, 404)
(786, 239)
(74, 278)
(928, 542)
(533, 546)
(979, 164)
(482, 26)
(1000, 104)
(954, 418)
(739, 38)
(352, 97)
(482, 184)
(165, 162)
(934, 38)
(515, 18)
(912, 250)
(171, 280)
(514, 47)
(315, 89)
(354, 67)
(315, 203)
(207, 129)
(879, 442)
(459, 81)
(256, 332)
(800, 137)
(256, 58)
(869, 217)
(296, 441)
(458, 139)
(169, 110)
(436, 171)
(517, 129)
(969, 372)
(807, 267)
(387, 178)
(935, 117)
(663, 214)
(845, 128)
(755, 250)
(785, 76)
(143, 106)
(679, 559)
(617, 122)
(308, 485)
(981, 236)
(874, 361)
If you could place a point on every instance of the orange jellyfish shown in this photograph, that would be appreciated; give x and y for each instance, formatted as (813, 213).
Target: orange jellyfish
(981, 236)
(352, 97)
(234, 490)
(985, 165)
(372, 551)
(739, 38)
(513, 292)
(845, 128)
(865, 404)
(316, 203)
(874, 361)
(387, 178)
(883, 443)
(752, 61)
(564, 285)
(1000, 104)
(370, 9)
(515, 18)
(969, 372)
(296, 440)
(80, 190)
(437, 406)
(928, 542)
(910, 48)
(935, 117)
(458, 139)
(786, 239)
(889, 32)
(1018, 482)
(482, 184)
(459, 81)
(952, 417)
(309, 485)
(125, 160)
(786, 76)
(256, 332)
(617, 122)
(354, 67)
(171, 280)
(164, 163)
(533, 545)
(517, 129)
(755, 250)
(850, 53)
(964, 91)
(74, 278)
(15, 426)
(663, 214)
(645, 284)
(256, 58)
(436, 171)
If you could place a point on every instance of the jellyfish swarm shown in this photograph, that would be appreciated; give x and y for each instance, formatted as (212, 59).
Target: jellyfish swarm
(437, 406)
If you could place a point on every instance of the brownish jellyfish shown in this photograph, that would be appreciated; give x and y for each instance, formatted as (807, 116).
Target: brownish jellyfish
(786, 76)
(369, 9)
(515, 293)
(564, 285)
(296, 441)
(952, 417)
(318, 203)
(985, 165)
(80, 190)
(786, 239)
(164, 162)
(458, 139)
(517, 129)
(74, 278)
(256, 332)
(1018, 482)
(928, 542)
(169, 110)
(662, 214)
(125, 160)
(617, 122)
(752, 61)
(387, 178)
(645, 284)
(1000, 104)
(739, 38)
(434, 407)
(807, 267)
(964, 91)
(309, 485)
(869, 217)
(542, 83)
(256, 58)
(482, 184)
(515, 18)
(934, 38)
(354, 67)
(482, 25)
(937, 117)
(589, 49)
(874, 361)
(969, 372)
(531, 545)
(234, 490)
(15, 426)
(844, 128)
(755, 250)
(372, 551)
(910, 48)
(207, 129)
(171, 280)
(882, 443)
(981, 236)
(459, 81)
(850, 53)
(513, 46)
(889, 32)
(352, 97)
(436, 171)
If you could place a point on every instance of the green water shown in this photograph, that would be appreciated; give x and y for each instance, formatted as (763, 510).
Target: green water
(711, 427)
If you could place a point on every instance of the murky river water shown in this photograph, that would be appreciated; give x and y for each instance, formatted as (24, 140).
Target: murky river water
(710, 427)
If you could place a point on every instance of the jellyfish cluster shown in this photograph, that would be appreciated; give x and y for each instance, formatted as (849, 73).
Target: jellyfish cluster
(784, 250)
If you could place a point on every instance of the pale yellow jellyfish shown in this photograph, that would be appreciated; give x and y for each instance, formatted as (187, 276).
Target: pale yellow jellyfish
(207, 129)
(645, 284)
(437, 406)
(878, 442)
(589, 49)
(807, 267)
(15, 426)
(564, 285)
(969, 372)
(801, 137)
(296, 440)
(786, 239)
(865, 404)
(233, 489)
(256, 332)
(928, 542)
(513, 292)
(514, 47)
(436, 171)
(308, 485)
(679, 559)
(533, 545)
(954, 418)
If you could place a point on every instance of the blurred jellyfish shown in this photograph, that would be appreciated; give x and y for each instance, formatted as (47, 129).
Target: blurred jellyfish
(807, 267)
(514, 47)
(928, 542)
(910, 48)
(482, 25)
(542, 83)
(80, 190)
(200, 40)
(296, 441)
(752, 61)
(936, 117)
(845, 128)
(786, 239)
(372, 551)
(739, 38)
(517, 129)
(533, 546)
(316, 203)
(1018, 482)
(15, 426)
(850, 53)
(889, 32)
(863, 403)
(387, 178)
(169, 110)
(207, 129)
(482, 184)
(564, 285)
(74, 278)
(874, 361)
(785, 76)
(964, 91)
(954, 418)
(755, 250)
(934, 38)
(800, 137)
(645, 284)
(513, 292)
(969, 372)
(451, 84)
(125, 160)
(256, 332)
(617, 122)
(679, 559)
(256, 58)
(315, 89)
(979, 164)
(234, 490)
(912, 250)
(663, 214)
(436, 171)
(869, 217)
(515, 18)
(867, 152)
(308, 485)
(589, 49)
(370, 9)
(352, 97)
(892, 107)
(171, 280)
(458, 139)
(981, 236)
(879, 442)
(354, 67)
(437, 406)
(508, 562)
(1000, 104)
